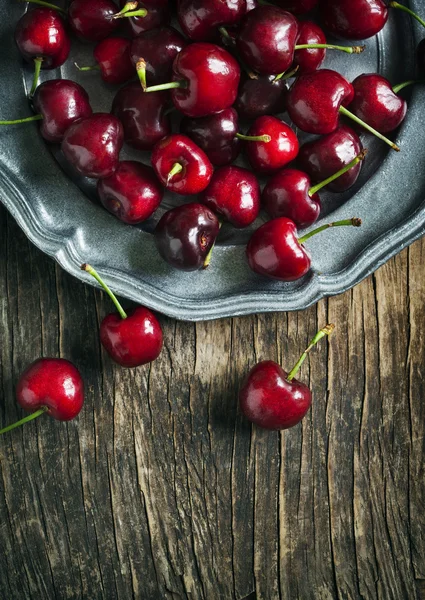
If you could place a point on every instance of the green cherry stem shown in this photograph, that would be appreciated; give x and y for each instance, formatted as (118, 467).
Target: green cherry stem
(224, 33)
(26, 419)
(408, 11)
(354, 222)
(400, 86)
(326, 331)
(209, 255)
(347, 49)
(287, 74)
(171, 85)
(353, 117)
(176, 169)
(129, 10)
(46, 4)
(26, 120)
(92, 68)
(37, 63)
(141, 73)
(316, 188)
(254, 138)
(89, 269)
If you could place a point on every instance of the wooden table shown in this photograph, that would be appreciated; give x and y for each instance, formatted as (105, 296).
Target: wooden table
(161, 490)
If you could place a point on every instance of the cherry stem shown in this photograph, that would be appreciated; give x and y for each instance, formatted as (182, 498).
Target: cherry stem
(172, 85)
(129, 11)
(400, 86)
(92, 68)
(326, 331)
(26, 419)
(209, 255)
(356, 119)
(141, 72)
(354, 222)
(224, 33)
(316, 188)
(347, 49)
(287, 74)
(408, 11)
(254, 138)
(46, 4)
(176, 169)
(26, 120)
(89, 269)
(37, 63)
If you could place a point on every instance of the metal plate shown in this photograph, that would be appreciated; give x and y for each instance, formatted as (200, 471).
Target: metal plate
(53, 208)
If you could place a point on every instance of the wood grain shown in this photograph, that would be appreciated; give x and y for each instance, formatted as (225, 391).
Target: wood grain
(161, 489)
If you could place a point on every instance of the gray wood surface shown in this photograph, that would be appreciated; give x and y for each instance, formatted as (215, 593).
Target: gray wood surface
(161, 490)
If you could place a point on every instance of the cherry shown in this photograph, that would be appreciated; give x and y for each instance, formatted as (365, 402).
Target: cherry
(275, 251)
(181, 166)
(420, 56)
(41, 38)
(59, 103)
(265, 95)
(49, 385)
(132, 193)
(132, 338)
(153, 53)
(158, 14)
(316, 100)
(297, 7)
(233, 193)
(185, 236)
(310, 59)
(113, 60)
(278, 147)
(289, 193)
(216, 135)
(200, 20)
(205, 81)
(92, 145)
(324, 156)
(142, 116)
(272, 398)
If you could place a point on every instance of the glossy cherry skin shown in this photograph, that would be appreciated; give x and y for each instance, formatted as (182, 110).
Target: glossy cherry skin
(420, 56)
(274, 251)
(52, 382)
(185, 235)
(93, 20)
(211, 77)
(315, 98)
(200, 20)
(233, 193)
(197, 168)
(353, 19)
(262, 96)
(41, 33)
(216, 135)
(142, 115)
(132, 193)
(134, 341)
(92, 145)
(270, 401)
(266, 39)
(61, 102)
(325, 156)
(375, 103)
(158, 15)
(113, 58)
(268, 157)
(310, 59)
(286, 195)
(297, 7)
(158, 47)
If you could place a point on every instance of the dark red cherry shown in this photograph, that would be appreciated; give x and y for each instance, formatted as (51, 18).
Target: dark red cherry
(200, 20)
(280, 149)
(420, 56)
(328, 154)
(353, 19)
(93, 20)
(142, 116)
(297, 7)
(185, 235)
(310, 59)
(262, 96)
(266, 39)
(181, 165)
(158, 14)
(92, 145)
(113, 57)
(132, 193)
(157, 48)
(233, 193)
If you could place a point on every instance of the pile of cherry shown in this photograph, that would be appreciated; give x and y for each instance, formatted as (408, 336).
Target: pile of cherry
(233, 60)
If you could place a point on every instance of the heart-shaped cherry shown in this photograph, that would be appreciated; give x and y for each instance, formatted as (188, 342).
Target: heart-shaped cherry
(157, 14)
(200, 20)
(181, 166)
(131, 338)
(272, 398)
(326, 155)
(132, 193)
(59, 103)
(49, 385)
(205, 80)
(316, 100)
(275, 251)
(185, 236)
(113, 60)
(143, 116)
(289, 193)
(265, 95)
(92, 145)
(233, 193)
(278, 146)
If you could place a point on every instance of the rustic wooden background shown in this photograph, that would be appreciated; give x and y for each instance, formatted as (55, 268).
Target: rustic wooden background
(161, 490)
